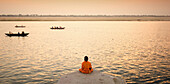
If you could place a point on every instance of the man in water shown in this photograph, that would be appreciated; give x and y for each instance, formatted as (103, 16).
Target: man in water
(86, 66)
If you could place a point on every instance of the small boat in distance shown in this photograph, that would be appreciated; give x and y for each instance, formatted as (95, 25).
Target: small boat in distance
(16, 34)
(57, 28)
(20, 26)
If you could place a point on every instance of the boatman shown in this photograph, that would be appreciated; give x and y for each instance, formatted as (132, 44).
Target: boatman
(22, 32)
(86, 66)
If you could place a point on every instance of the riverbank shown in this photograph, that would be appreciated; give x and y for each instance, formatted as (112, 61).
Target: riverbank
(94, 78)
(113, 18)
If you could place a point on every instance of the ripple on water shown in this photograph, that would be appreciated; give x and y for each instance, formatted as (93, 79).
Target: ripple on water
(113, 68)
(104, 70)
(1, 55)
(58, 70)
(21, 67)
(98, 67)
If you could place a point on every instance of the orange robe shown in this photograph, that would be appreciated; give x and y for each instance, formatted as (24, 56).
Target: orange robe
(86, 67)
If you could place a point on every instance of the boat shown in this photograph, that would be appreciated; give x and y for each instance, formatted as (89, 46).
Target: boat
(57, 28)
(16, 34)
(20, 26)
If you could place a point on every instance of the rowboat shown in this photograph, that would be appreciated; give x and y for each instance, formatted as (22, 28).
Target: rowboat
(57, 28)
(20, 26)
(16, 34)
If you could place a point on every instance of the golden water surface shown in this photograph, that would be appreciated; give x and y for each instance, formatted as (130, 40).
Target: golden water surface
(139, 52)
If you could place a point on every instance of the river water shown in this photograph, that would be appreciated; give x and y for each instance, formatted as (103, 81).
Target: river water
(138, 52)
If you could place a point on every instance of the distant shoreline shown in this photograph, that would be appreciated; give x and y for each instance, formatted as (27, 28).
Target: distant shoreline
(70, 18)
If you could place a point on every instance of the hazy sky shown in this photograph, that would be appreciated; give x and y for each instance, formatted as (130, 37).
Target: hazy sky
(86, 7)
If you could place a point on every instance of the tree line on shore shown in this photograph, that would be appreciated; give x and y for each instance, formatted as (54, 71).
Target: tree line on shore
(36, 15)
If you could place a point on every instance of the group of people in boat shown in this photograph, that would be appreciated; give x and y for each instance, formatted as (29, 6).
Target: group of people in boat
(18, 32)
(56, 27)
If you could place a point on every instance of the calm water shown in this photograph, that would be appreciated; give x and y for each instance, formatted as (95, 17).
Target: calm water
(139, 52)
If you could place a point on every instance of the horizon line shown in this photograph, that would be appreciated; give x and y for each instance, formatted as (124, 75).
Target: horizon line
(90, 15)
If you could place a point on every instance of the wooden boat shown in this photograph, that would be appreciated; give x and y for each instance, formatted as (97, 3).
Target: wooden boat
(57, 28)
(20, 26)
(16, 34)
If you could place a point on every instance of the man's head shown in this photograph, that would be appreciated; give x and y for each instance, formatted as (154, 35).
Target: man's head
(86, 58)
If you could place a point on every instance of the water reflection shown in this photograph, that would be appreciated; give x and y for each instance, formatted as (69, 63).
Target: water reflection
(135, 51)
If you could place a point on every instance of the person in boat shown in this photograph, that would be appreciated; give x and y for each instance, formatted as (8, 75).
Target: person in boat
(10, 32)
(86, 66)
(22, 32)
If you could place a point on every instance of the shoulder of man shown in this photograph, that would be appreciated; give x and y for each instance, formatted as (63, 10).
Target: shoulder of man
(89, 62)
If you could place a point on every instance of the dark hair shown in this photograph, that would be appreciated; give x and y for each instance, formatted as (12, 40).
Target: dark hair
(86, 58)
